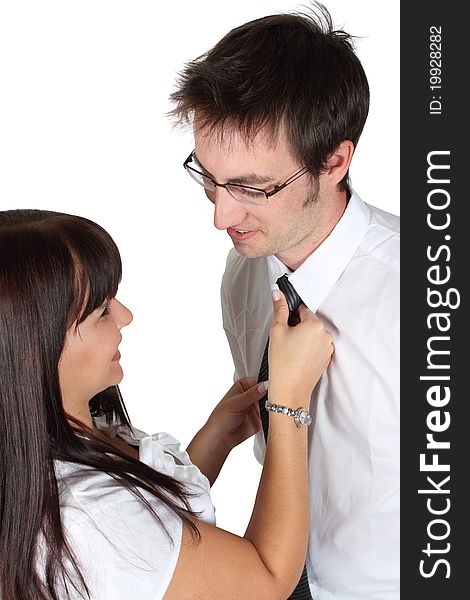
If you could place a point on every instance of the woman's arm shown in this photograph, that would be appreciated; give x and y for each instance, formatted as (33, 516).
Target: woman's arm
(267, 562)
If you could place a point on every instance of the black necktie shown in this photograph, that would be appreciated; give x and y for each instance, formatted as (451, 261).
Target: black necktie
(302, 590)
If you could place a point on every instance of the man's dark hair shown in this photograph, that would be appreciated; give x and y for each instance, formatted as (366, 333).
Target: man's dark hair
(290, 70)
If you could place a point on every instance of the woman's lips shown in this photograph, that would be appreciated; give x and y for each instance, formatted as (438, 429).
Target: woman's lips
(240, 235)
(116, 357)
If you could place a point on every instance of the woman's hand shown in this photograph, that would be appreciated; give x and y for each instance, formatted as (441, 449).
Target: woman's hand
(297, 355)
(232, 421)
(236, 417)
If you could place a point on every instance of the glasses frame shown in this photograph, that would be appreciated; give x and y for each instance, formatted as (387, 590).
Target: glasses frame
(275, 190)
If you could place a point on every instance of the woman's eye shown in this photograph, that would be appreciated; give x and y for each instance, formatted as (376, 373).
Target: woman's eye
(106, 310)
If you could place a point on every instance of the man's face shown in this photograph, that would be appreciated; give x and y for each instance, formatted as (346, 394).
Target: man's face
(291, 224)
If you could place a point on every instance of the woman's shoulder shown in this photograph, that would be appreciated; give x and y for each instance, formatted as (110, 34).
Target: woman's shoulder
(86, 488)
(123, 550)
(162, 452)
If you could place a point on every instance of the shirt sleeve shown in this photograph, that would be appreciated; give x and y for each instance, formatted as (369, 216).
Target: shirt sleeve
(229, 323)
(231, 286)
(122, 550)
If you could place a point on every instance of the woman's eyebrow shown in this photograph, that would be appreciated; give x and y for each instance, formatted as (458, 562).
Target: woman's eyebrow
(249, 179)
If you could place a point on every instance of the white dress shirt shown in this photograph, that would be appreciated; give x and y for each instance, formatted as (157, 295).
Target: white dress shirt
(352, 282)
(122, 551)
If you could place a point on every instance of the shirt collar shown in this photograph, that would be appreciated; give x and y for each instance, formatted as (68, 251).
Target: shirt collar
(315, 277)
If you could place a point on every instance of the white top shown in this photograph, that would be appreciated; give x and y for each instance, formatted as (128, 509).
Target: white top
(352, 282)
(122, 551)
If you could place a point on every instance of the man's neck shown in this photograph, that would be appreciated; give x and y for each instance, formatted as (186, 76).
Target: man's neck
(294, 257)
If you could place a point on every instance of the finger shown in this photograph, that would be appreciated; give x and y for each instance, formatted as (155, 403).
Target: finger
(254, 423)
(306, 313)
(252, 395)
(246, 382)
(281, 309)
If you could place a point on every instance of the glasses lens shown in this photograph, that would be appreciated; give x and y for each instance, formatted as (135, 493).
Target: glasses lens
(203, 180)
(247, 195)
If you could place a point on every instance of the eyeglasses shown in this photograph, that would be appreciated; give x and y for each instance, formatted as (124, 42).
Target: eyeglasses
(242, 193)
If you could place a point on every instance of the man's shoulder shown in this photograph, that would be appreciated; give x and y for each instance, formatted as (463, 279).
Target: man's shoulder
(240, 270)
(384, 219)
(382, 241)
(234, 259)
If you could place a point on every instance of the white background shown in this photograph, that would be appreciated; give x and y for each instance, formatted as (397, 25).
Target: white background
(84, 90)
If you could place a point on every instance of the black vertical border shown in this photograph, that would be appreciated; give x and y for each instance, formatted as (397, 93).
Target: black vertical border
(424, 131)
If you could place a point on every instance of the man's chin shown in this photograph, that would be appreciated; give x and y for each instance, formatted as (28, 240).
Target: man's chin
(249, 251)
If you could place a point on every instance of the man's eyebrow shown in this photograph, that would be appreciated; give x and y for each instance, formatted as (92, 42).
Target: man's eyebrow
(248, 179)
(252, 179)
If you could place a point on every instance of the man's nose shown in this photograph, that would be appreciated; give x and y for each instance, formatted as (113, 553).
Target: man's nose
(227, 211)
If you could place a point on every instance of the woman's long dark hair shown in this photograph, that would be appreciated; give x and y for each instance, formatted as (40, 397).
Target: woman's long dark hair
(55, 270)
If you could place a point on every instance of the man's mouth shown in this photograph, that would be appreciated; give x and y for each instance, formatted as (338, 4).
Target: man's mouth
(241, 234)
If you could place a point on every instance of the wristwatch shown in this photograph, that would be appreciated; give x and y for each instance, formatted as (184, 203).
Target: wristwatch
(301, 415)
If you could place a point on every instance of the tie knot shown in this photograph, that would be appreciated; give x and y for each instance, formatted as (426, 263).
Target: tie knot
(292, 297)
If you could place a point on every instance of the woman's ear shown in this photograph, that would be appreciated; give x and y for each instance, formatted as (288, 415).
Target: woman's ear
(338, 164)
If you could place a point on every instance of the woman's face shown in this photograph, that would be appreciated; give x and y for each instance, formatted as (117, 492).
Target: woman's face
(90, 360)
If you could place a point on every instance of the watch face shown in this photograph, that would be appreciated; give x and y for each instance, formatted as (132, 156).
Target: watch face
(304, 417)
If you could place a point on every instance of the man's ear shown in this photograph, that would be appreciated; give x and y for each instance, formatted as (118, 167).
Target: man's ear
(338, 163)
